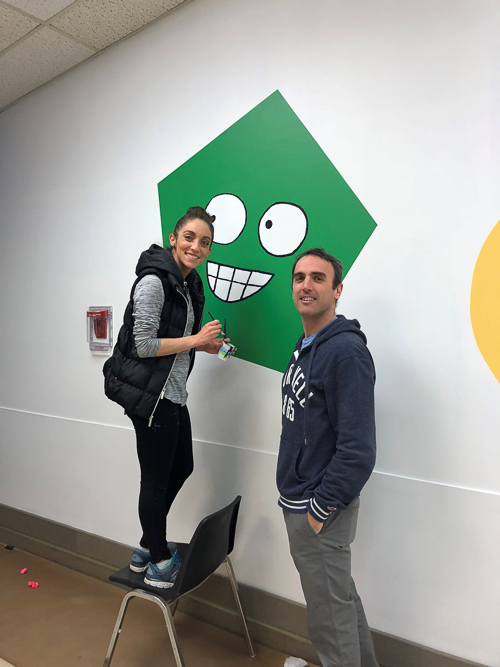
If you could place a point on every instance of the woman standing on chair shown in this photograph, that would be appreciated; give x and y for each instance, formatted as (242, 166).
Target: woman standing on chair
(147, 376)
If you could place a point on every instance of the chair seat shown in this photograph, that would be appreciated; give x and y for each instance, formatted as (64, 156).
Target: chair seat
(126, 577)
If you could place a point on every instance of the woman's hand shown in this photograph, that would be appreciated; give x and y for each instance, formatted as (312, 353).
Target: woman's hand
(212, 348)
(208, 334)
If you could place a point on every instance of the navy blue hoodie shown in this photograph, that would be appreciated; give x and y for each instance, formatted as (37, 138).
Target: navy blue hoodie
(327, 448)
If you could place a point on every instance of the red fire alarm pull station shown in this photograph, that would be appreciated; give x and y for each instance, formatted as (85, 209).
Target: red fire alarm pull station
(100, 328)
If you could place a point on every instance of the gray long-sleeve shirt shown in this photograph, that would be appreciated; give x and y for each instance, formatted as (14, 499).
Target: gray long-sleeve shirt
(149, 299)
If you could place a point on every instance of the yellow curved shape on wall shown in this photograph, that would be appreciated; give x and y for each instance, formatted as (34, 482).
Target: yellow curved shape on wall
(485, 301)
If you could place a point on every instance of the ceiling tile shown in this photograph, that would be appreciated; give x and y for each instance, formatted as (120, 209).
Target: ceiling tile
(13, 26)
(42, 9)
(102, 22)
(35, 60)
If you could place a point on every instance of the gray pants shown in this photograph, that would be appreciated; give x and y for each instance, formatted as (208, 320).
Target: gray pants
(335, 617)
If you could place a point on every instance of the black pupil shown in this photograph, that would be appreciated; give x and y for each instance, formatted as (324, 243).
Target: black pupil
(269, 224)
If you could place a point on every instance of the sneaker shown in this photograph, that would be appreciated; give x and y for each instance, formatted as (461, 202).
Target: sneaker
(163, 578)
(140, 560)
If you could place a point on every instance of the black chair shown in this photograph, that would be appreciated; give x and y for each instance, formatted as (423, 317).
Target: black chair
(210, 546)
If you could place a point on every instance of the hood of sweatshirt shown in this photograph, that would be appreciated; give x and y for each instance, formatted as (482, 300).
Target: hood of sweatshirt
(334, 328)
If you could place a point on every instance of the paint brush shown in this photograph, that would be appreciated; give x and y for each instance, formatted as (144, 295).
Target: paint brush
(213, 318)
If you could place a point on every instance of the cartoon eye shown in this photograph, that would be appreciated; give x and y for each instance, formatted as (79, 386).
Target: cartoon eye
(282, 229)
(230, 217)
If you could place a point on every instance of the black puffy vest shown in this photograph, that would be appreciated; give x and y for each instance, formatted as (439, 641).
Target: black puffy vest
(136, 383)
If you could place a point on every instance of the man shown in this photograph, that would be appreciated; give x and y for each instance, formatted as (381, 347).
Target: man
(327, 453)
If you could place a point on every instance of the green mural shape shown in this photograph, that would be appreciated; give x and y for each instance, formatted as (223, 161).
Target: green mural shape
(274, 193)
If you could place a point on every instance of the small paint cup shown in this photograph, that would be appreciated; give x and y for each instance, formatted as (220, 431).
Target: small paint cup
(226, 351)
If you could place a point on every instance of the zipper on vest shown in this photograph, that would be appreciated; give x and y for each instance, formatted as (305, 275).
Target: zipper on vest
(162, 393)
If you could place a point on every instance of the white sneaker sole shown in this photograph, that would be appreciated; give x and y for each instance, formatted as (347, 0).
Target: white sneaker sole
(134, 568)
(159, 584)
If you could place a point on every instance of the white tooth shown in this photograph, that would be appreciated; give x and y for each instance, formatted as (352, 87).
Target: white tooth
(222, 289)
(241, 276)
(235, 292)
(212, 268)
(226, 272)
(259, 278)
(251, 289)
(211, 282)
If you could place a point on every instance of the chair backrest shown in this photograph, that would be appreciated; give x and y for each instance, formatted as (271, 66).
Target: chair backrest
(212, 541)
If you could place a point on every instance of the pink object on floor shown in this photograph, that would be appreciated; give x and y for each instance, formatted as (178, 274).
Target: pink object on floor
(24, 570)
(33, 584)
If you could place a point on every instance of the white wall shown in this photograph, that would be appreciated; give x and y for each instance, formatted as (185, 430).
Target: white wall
(404, 99)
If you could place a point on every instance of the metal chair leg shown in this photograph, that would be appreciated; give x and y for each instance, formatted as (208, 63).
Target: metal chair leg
(169, 622)
(117, 629)
(234, 586)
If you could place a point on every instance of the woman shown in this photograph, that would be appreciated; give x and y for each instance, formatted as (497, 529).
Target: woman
(147, 375)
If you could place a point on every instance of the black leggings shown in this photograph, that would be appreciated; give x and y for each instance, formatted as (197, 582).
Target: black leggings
(165, 451)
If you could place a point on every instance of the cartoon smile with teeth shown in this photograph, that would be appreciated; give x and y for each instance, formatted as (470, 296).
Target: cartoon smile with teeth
(231, 284)
(274, 193)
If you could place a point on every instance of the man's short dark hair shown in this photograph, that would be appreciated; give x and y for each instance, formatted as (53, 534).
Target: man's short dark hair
(320, 252)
